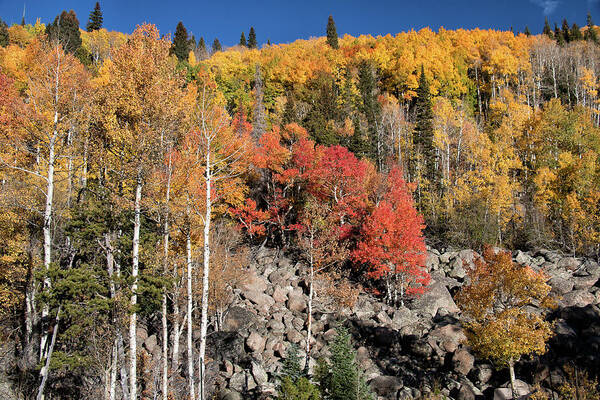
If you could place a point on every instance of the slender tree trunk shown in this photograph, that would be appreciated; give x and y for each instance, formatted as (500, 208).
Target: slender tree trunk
(113, 371)
(165, 332)
(121, 353)
(176, 330)
(205, 274)
(85, 164)
(110, 266)
(48, 226)
(190, 349)
(133, 300)
(46, 368)
(310, 301)
(511, 370)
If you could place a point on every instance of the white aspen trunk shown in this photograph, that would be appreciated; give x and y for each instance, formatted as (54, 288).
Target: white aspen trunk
(165, 332)
(205, 274)
(310, 301)
(113, 372)
(121, 354)
(176, 331)
(47, 225)
(46, 368)
(85, 164)
(511, 370)
(554, 80)
(133, 300)
(110, 265)
(190, 350)
(401, 292)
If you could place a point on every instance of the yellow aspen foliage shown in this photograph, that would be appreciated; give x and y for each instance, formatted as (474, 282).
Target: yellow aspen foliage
(496, 305)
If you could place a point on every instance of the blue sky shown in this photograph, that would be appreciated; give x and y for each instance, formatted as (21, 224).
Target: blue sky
(284, 21)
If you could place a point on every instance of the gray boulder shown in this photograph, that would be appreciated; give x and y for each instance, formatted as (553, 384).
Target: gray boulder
(434, 298)
(386, 386)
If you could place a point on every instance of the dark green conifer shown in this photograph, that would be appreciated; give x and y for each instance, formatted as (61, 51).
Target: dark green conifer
(291, 364)
(96, 19)
(367, 86)
(590, 32)
(576, 33)
(65, 30)
(342, 380)
(558, 35)
(268, 42)
(295, 385)
(181, 43)
(289, 111)
(4, 38)
(527, 31)
(252, 39)
(200, 51)
(566, 31)
(357, 143)
(243, 40)
(201, 44)
(423, 133)
(547, 30)
(332, 36)
(216, 46)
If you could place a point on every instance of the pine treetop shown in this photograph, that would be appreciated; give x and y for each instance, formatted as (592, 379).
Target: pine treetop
(332, 36)
(65, 29)
(252, 44)
(96, 19)
(547, 30)
(243, 40)
(181, 43)
(4, 38)
(590, 33)
(216, 46)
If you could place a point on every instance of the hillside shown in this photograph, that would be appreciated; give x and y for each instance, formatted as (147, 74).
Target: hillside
(186, 223)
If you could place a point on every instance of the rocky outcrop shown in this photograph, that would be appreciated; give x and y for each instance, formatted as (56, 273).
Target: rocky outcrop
(405, 352)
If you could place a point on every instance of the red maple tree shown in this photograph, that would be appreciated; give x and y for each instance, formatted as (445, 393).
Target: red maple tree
(392, 242)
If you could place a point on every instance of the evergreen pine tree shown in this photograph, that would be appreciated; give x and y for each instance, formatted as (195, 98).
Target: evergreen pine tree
(367, 86)
(201, 44)
(295, 385)
(566, 31)
(268, 42)
(343, 380)
(289, 111)
(576, 33)
(192, 43)
(96, 19)
(4, 38)
(547, 30)
(590, 33)
(332, 36)
(65, 30)
(558, 35)
(527, 31)
(252, 39)
(200, 51)
(357, 143)
(243, 40)
(216, 46)
(423, 133)
(291, 364)
(181, 43)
